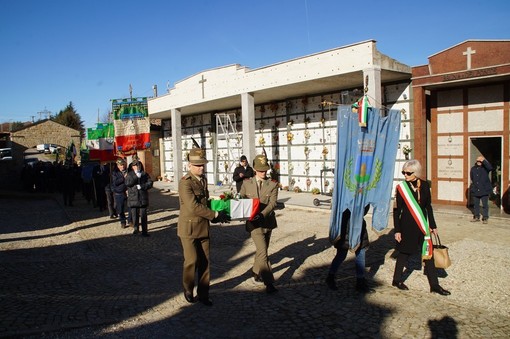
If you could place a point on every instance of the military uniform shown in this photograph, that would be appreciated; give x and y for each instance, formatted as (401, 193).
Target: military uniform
(193, 230)
(260, 230)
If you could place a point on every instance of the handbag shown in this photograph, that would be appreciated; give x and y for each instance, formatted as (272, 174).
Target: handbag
(441, 255)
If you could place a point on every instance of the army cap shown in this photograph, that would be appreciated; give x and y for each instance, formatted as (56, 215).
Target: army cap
(197, 156)
(260, 163)
(121, 161)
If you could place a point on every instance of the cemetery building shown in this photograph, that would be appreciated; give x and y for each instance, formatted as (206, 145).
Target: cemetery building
(287, 109)
(460, 111)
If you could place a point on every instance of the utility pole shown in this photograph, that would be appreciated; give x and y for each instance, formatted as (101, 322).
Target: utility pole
(43, 113)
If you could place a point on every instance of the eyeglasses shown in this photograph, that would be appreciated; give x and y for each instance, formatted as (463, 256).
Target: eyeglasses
(407, 173)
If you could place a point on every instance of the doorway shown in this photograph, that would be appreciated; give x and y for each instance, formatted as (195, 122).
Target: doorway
(490, 148)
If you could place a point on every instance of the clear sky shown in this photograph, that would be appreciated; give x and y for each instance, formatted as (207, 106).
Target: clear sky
(87, 52)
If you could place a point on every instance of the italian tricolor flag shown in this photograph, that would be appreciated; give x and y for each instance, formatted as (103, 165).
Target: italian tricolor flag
(132, 127)
(363, 105)
(100, 142)
(237, 209)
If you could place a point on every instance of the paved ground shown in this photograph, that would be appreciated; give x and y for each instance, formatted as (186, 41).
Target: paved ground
(72, 272)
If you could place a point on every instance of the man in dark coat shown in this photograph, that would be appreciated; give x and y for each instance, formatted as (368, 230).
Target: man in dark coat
(138, 183)
(480, 188)
(119, 188)
(243, 171)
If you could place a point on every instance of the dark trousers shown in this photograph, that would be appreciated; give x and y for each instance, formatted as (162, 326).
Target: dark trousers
(120, 204)
(110, 202)
(430, 269)
(485, 207)
(196, 259)
(139, 215)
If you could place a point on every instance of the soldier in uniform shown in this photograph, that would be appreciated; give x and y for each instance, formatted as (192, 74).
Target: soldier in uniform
(193, 227)
(264, 222)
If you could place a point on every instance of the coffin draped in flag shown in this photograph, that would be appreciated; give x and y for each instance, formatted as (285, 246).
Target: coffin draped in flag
(364, 168)
(132, 125)
(100, 142)
(237, 209)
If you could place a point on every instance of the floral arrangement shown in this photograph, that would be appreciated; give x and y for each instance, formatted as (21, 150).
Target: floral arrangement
(406, 150)
(227, 195)
(307, 134)
(307, 166)
(308, 182)
(262, 141)
(290, 123)
(326, 183)
(290, 136)
(291, 167)
(307, 120)
(315, 190)
(325, 151)
(297, 189)
(307, 151)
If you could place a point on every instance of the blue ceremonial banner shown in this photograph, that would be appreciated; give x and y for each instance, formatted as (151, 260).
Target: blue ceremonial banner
(364, 168)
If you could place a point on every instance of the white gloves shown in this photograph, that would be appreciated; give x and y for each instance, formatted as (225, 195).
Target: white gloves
(139, 187)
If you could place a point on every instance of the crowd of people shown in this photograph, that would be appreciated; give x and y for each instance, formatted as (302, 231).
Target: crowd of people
(112, 186)
(123, 191)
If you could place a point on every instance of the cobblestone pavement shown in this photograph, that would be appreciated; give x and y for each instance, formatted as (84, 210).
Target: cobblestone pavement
(72, 272)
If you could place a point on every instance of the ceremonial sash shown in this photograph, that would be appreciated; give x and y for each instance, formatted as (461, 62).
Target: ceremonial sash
(421, 220)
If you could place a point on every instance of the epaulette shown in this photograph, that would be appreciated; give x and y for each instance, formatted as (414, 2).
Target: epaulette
(187, 176)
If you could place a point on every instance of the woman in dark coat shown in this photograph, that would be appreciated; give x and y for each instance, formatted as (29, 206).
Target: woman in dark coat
(138, 183)
(408, 234)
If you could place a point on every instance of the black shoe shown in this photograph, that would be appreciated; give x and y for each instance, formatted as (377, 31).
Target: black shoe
(145, 234)
(189, 297)
(123, 225)
(400, 285)
(439, 290)
(475, 219)
(256, 278)
(136, 232)
(330, 281)
(362, 287)
(205, 301)
(270, 289)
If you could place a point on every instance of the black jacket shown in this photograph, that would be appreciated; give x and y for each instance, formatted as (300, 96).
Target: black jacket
(118, 182)
(248, 173)
(480, 183)
(138, 197)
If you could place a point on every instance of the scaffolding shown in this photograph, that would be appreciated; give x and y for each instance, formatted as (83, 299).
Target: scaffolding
(226, 130)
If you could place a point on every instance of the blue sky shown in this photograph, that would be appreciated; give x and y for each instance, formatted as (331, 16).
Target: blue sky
(88, 52)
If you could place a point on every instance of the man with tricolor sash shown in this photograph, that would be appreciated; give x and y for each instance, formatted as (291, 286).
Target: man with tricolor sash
(414, 222)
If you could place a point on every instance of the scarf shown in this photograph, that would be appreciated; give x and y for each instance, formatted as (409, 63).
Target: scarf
(421, 220)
